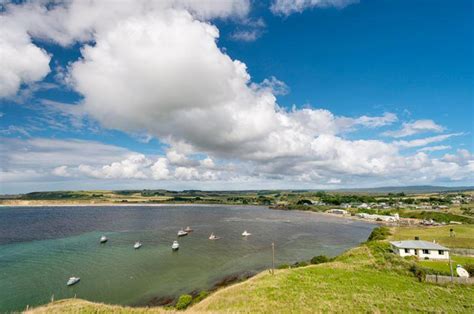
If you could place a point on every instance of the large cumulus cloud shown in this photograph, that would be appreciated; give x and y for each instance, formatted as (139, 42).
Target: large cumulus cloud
(156, 68)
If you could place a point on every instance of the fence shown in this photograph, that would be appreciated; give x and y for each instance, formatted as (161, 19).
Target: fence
(462, 251)
(447, 279)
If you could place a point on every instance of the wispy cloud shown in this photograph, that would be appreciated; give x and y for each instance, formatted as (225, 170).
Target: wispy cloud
(249, 30)
(425, 141)
(416, 127)
(287, 7)
(434, 148)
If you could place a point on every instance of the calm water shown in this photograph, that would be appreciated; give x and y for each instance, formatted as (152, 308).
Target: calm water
(40, 248)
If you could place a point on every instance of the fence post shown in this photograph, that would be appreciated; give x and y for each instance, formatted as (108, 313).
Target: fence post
(273, 258)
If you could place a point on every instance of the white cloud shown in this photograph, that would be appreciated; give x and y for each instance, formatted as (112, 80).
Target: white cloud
(61, 171)
(434, 148)
(130, 168)
(77, 20)
(272, 84)
(160, 169)
(246, 35)
(157, 70)
(287, 7)
(425, 141)
(416, 127)
(462, 157)
(32, 66)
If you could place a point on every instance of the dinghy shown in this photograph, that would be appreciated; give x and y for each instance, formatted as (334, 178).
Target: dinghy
(175, 246)
(246, 234)
(137, 245)
(73, 281)
(213, 237)
(182, 233)
(103, 239)
(188, 229)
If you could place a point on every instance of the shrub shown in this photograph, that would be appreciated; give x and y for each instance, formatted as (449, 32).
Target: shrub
(469, 268)
(419, 272)
(283, 266)
(300, 264)
(184, 301)
(379, 233)
(319, 259)
(304, 202)
(201, 296)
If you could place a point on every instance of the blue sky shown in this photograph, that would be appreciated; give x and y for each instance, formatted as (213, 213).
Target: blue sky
(389, 82)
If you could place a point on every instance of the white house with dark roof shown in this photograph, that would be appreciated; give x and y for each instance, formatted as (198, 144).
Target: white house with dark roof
(421, 249)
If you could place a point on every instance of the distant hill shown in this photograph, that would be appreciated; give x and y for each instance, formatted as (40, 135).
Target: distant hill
(410, 189)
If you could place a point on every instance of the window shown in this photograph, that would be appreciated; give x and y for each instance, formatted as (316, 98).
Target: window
(441, 252)
(426, 252)
(407, 250)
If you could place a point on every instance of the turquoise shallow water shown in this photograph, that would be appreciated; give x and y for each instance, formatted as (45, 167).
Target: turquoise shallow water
(41, 247)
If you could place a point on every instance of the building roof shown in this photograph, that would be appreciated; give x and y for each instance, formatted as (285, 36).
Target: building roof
(418, 244)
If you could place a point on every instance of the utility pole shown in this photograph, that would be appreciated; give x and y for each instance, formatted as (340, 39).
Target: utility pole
(273, 258)
(451, 267)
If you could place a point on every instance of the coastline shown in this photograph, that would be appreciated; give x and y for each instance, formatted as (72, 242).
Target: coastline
(128, 204)
(41, 204)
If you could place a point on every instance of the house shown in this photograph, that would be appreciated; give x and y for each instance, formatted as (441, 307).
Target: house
(393, 218)
(421, 249)
(337, 211)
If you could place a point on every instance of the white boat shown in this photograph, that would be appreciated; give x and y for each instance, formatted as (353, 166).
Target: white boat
(213, 237)
(137, 245)
(182, 233)
(462, 272)
(175, 246)
(246, 234)
(73, 281)
(103, 239)
(188, 229)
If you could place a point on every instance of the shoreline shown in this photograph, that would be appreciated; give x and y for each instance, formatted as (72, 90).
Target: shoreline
(129, 204)
(349, 217)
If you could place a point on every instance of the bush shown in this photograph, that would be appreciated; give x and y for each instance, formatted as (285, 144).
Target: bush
(304, 202)
(283, 266)
(201, 296)
(419, 272)
(469, 268)
(319, 259)
(300, 264)
(184, 301)
(379, 233)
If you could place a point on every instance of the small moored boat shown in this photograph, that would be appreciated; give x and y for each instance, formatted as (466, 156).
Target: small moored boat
(246, 234)
(137, 245)
(103, 239)
(73, 281)
(213, 237)
(175, 246)
(188, 229)
(182, 233)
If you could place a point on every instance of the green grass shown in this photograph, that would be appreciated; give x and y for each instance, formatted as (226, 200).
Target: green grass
(442, 267)
(464, 235)
(365, 279)
(86, 307)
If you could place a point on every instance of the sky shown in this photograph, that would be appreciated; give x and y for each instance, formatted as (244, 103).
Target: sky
(235, 94)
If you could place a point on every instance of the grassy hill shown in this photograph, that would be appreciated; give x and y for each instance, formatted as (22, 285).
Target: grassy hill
(366, 279)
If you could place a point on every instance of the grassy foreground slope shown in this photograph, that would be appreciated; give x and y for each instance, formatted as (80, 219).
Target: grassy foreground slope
(86, 307)
(364, 279)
